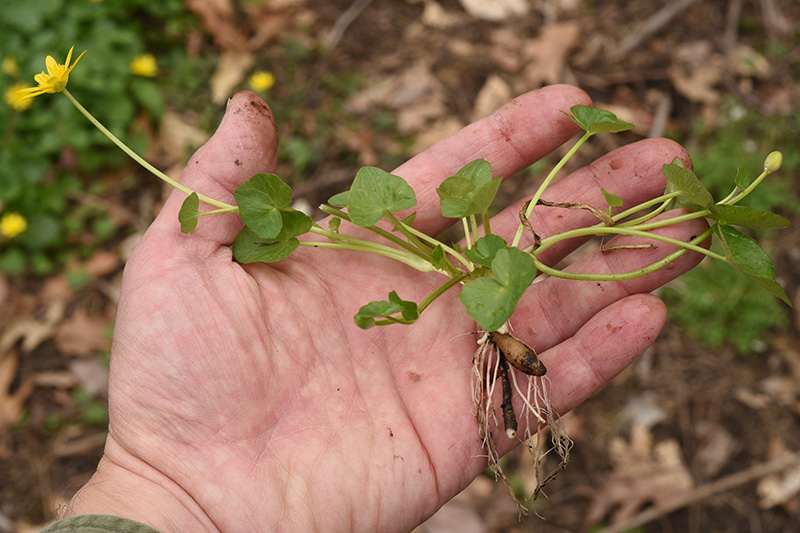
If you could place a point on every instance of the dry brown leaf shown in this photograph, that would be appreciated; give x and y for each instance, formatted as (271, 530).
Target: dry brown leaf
(415, 94)
(82, 335)
(546, 55)
(11, 403)
(32, 332)
(696, 71)
(644, 474)
(435, 16)
(494, 93)
(783, 488)
(495, 10)
(178, 137)
(717, 446)
(217, 17)
(231, 70)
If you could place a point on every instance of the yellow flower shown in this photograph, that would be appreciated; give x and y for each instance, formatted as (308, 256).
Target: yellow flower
(15, 99)
(261, 80)
(12, 224)
(144, 65)
(54, 80)
(10, 66)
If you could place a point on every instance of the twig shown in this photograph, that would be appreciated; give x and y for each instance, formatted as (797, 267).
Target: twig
(343, 22)
(706, 491)
(652, 25)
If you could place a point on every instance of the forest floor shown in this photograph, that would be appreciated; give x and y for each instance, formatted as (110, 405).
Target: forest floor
(696, 436)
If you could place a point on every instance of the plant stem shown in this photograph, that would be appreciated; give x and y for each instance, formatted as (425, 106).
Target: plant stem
(603, 230)
(435, 242)
(441, 289)
(136, 157)
(376, 230)
(731, 199)
(537, 196)
(412, 239)
(467, 234)
(633, 274)
(344, 242)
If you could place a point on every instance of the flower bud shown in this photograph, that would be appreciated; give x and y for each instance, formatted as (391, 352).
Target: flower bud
(773, 162)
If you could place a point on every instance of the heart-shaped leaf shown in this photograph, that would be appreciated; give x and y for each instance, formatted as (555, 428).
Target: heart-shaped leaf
(374, 192)
(484, 249)
(470, 192)
(593, 120)
(260, 199)
(491, 301)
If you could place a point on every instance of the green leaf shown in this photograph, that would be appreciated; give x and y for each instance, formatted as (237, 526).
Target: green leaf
(593, 120)
(439, 259)
(611, 199)
(260, 199)
(484, 249)
(369, 314)
(250, 248)
(693, 194)
(374, 192)
(740, 215)
(334, 223)
(491, 301)
(188, 214)
(743, 180)
(744, 253)
(339, 200)
(470, 192)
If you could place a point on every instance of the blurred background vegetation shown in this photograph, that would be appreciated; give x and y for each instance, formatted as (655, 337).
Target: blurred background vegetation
(403, 74)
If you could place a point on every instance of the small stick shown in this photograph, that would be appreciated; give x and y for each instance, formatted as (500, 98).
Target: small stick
(509, 419)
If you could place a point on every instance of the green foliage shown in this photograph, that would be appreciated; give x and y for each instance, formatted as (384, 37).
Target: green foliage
(33, 181)
(715, 305)
(710, 302)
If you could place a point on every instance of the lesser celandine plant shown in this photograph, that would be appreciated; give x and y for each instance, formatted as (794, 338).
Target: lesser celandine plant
(491, 273)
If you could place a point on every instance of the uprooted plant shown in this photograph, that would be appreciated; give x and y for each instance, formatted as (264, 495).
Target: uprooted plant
(491, 272)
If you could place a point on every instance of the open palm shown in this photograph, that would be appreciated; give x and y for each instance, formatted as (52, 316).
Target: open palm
(244, 398)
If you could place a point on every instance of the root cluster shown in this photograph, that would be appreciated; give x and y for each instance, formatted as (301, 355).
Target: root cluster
(494, 381)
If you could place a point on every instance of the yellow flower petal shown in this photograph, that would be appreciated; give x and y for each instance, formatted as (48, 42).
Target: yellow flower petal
(12, 224)
(261, 80)
(15, 96)
(55, 79)
(144, 65)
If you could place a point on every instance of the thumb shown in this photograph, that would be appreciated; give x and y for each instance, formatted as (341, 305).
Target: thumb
(245, 143)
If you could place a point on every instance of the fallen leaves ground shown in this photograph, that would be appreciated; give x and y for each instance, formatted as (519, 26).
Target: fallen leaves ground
(687, 439)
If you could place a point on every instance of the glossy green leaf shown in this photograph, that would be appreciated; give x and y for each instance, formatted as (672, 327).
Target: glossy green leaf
(693, 194)
(744, 253)
(188, 214)
(470, 192)
(593, 120)
(393, 311)
(491, 301)
(250, 248)
(747, 217)
(484, 249)
(260, 199)
(374, 192)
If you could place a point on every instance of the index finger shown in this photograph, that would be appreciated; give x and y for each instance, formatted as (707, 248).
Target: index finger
(512, 138)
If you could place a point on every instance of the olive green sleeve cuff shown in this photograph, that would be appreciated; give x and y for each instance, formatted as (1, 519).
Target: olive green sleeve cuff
(97, 523)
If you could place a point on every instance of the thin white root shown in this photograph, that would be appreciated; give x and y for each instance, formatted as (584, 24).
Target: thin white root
(536, 414)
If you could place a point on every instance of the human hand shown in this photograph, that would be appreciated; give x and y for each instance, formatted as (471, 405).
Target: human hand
(244, 398)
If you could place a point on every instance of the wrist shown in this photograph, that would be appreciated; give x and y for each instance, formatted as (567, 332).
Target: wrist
(127, 487)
